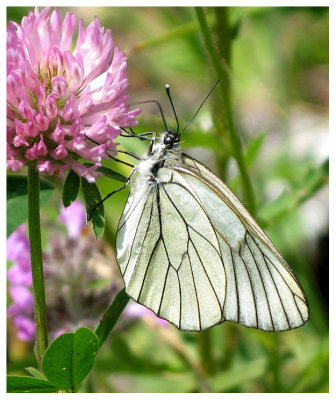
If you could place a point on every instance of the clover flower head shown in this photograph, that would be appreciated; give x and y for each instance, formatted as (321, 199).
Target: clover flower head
(72, 264)
(79, 281)
(61, 94)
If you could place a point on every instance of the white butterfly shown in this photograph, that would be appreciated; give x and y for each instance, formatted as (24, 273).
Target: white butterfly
(189, 250)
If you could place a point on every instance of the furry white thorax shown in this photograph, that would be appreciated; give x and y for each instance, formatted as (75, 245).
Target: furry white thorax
(161, 155)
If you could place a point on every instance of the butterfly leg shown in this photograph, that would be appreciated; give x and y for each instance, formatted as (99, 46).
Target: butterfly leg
(109, 195)
(118, 151)
(141, 136)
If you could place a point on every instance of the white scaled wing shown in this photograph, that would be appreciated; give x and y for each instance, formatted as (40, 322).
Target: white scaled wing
(189, 251)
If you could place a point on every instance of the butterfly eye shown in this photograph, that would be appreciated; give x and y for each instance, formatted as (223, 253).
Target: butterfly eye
(169, 139)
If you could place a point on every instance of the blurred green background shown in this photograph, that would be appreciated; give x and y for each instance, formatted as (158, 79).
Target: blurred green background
(278, 60)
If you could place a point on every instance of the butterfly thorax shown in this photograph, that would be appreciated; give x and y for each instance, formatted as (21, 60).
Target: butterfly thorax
(165, 152)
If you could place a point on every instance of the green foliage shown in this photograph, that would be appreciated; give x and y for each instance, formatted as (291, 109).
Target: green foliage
(28, 384)
(17, 200)
(69, 358)
(92, 198)
(172, 383)
(253, 148)
(227, 380)
(109, 173)
(66, 362)
(35, 373)
(70, 188)
(303, 190)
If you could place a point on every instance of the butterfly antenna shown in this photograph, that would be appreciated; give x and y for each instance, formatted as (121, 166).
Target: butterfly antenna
(213, 87)
(172, 104)
(160, 108)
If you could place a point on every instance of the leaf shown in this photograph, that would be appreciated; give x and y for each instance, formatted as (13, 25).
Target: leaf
(92, 198)
(35, 373)
(243, 373)
(304, 190)
(235, 29)
(85, 348)
(28, 384)
(111, 316)
(126, 360)
(69, 358)
(17, 200)
(70, 188)
(109, 173)
(57, 361)
(254, 147)
(317, 361)
(251, 152)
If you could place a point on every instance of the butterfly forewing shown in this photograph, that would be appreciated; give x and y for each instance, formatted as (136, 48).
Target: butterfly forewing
(181, 280)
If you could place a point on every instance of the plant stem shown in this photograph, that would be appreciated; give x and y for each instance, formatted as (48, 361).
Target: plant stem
(275, 363)
(37, 262)
(223, 31)
(111, 316)
(205, 349)
(222, 71)
(231, 338)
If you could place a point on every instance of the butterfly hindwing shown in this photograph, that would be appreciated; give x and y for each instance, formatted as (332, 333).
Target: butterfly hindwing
(262, 291)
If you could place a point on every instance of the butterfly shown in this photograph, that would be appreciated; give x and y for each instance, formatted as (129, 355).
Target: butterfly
(189, 251)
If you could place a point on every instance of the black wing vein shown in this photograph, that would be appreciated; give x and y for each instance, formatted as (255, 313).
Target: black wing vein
(285, 282)
(164, 288)
(236, 285)
(295, 295)
(145, 235)
(149, 261)
(252, 288)
(180, 316)
(262, 281)
(196, 294)
(132, 211)
(189, 226)
(205, 271)
(271, 275)
(276, 268)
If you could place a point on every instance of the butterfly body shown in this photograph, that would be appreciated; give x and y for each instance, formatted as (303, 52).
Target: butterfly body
(189, 251)
(166, 150)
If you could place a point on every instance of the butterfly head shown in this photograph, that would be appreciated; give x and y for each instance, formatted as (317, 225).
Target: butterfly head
(170, 138)
(168, 143)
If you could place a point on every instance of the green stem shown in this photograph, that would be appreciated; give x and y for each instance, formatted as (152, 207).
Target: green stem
(205, 350)
(231, 338)
(111, 316)
(275, 363)
(37, 262)
(222, 71)
(223, 31)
